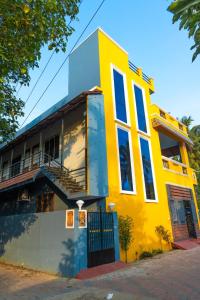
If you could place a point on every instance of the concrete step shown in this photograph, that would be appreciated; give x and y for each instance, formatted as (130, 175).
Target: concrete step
(186, 244)
(101, 270)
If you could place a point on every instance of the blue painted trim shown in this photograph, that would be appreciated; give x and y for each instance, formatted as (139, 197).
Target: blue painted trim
(80, 251)
(116, 237)
(97, 152)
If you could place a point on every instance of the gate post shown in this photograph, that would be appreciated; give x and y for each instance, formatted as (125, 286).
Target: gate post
(116, 236)
(80, 242)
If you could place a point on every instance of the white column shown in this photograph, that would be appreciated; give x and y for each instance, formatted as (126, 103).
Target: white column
(11, 159)
(40, 149)
(23, 157)
(1, 169)
(62, 142)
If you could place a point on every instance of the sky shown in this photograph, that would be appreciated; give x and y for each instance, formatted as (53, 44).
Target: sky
(144, 28)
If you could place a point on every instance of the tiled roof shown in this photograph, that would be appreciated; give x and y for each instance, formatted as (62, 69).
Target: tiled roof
(18, 179)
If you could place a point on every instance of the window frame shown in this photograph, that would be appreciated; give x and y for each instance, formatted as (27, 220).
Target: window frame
(7, 169)
(133, 83)
(152, 167)
(48, 140)
(113, 67)
(134, 192)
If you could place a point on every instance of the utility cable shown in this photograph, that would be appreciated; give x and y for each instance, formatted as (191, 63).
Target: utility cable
(57, 72)
(40, 76)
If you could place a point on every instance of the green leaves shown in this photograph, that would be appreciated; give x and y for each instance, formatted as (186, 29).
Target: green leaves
(194, 154)
(125, 232)
(188, 13)
(25, 27)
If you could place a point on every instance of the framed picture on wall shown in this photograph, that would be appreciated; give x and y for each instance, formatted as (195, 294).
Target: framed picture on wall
(82, 218)
(69, 218)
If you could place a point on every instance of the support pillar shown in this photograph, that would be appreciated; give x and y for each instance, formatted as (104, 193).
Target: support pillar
(1, 167)
(62, 142)
(40, 149)
(11, 159)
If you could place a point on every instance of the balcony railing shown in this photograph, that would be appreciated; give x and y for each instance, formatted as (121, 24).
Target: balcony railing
(37, 160)
(178, 168)
(138, 72)
(158, 112)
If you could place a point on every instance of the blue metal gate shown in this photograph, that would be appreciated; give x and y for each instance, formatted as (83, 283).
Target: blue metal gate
(101, 249)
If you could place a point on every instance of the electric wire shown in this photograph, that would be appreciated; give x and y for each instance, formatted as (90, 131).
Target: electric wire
(46, 65)
(57, 72)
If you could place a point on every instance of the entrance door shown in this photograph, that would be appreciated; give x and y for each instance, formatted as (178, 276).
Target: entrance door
(183, 213)
(189, 219)
(101, 248)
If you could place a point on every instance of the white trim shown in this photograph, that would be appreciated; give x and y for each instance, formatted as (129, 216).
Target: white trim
(152, 168)
(176, 128)
(174, 161)
(131, 159)
(66, 218)
(143, 133)
(106, 34)
(133, 83)
(169, 114)
(113, 67)
(85, 212)
(175, 172)
(179, 185)
(123, 124)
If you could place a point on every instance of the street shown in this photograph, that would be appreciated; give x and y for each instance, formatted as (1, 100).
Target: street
(173, 275)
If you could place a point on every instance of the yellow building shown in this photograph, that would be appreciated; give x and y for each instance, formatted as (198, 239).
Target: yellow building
(105, 143)
(152, 180)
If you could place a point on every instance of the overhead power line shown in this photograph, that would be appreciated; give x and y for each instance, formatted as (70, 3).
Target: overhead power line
(39, 77)
(18, 90)
(45, 67)
(57, 72)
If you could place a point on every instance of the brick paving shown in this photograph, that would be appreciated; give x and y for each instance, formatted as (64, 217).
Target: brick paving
(101, 270)
(171, 276)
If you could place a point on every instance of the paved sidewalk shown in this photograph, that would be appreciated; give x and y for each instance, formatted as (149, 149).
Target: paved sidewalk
(171, 276)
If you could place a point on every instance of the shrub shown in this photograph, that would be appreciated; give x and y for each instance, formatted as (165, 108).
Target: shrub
(157, 251)
(125, 233)
(163, 234)
(145, 254)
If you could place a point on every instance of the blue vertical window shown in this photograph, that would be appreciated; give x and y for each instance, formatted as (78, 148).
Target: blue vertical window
(147, 169)
(125, 160)
(120, 101)
(142, 125)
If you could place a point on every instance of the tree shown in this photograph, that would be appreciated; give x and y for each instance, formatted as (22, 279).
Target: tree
(187, 121)
(27, 26)
(125, 233)
(188, 13)
(194, 154)
(163, 234)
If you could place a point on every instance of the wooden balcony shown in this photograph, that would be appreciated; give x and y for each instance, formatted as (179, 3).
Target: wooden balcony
(26, 170)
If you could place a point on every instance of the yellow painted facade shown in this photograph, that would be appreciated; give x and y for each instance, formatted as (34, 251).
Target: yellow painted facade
(146, 215)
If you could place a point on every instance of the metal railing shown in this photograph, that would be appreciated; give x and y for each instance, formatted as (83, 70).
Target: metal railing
(135, 69)
(37, 160)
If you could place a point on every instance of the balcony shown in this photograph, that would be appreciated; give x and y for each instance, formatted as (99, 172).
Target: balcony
(41, 164)
(167, 123)
(178, 168)
(143, 76)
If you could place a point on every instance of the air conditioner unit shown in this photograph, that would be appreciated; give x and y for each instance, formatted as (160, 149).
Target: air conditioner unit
(24, 196)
